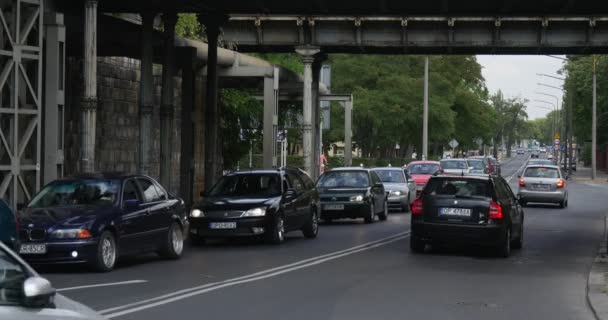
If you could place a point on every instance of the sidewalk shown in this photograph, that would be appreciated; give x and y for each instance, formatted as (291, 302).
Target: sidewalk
(583, 174)
(597, 282)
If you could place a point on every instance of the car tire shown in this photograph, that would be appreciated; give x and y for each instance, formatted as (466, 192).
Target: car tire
(311, 228)
(562, 204)
(276, 235)
(519, 242)
(504, 249)
(384, 215)
(174, 243)
(371, 215)
(417, 246)
(107, 252)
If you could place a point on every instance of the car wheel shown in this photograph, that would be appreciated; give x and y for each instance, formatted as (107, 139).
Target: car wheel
(277, 234)
(174, 242)
(107, 251)
(384, 215)
(311, 228)
(519, 242)
(562, 204)
(504, 249)
(416, 245)
(371, 215)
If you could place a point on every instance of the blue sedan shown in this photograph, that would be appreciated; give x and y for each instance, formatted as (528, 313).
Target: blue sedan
(96, 219)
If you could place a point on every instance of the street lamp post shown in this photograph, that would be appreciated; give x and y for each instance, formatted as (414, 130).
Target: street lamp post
(425, 112)
(594, 122)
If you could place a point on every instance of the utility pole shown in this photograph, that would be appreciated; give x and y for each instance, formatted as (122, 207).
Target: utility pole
(594, 123)
(570, 152)
(425, 112)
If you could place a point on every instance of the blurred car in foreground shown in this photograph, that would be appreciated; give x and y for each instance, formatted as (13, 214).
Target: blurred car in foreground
(421, 172)
(24, 295)
(472, 210)
(543, 184)
(97, 218)
(8, 226)
(454, 166)
(268, 203)
(401, 191)
(352, 193)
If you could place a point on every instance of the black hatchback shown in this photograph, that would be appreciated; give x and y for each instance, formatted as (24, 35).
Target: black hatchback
(477, 210)
(265, 203)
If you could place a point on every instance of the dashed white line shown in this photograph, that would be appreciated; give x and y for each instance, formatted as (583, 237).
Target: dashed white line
(518, 170)
(102, 285)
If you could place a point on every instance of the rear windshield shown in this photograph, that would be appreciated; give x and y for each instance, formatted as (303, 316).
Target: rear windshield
(458, 187)
(344, 179)
(391, 176)
(540, 162)
(476, 164)
(451, 164)
(423, 168)
(541, 172)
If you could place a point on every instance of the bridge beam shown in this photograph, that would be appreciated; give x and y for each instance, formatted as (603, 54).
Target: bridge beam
(89, 99)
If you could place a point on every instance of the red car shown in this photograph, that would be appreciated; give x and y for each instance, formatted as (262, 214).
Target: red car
(421, 172)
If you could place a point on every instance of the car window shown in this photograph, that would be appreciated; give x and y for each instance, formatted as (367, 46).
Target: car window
(296, 182)
(130, 191)
(97, 192)
(308, 183)
(375, 178)
(501, 191)
(162, 194)
(541, 172)
(458, 187)
(476, 164)
(12, 276)
(391, 176)
(149, 190)
(344, 179)
(451, 164)
(250, 185)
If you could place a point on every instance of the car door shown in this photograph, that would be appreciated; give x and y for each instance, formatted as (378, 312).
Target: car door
(295, 217)
(505, 200)
(310, 199)
(378, 192)
(131, 228)
(155, 221)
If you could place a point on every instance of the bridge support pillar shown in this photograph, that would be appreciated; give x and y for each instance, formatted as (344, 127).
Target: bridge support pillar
(89, 99)
(307, 53)
(348, 132)
(167, 104)
(186, 167)
(146, 93)
(271, 112)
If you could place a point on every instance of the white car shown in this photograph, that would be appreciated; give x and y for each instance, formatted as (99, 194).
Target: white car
(455, 166)
(543, 150)
(24, 295)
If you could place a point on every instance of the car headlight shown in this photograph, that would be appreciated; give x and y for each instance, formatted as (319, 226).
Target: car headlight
(256, 212)
(197, 213)
(395, 193)
(357, 198)
(71, 234)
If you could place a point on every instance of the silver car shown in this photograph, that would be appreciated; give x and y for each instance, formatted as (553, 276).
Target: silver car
(477, 167)
(24, 295)
(455, 166)
(401, 190)
(543, 183)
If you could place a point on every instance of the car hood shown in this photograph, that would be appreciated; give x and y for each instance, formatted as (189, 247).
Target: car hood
(235, 203)
(70, 215)
(66, 309)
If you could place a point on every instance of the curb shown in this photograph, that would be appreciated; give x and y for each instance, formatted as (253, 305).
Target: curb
(597, 284)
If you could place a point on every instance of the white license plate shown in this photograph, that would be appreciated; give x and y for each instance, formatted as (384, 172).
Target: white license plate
(333, 207)
(541, 186)
(32, 248)
(222, 225)
(456, 212)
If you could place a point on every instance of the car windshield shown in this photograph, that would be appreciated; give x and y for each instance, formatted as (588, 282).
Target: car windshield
(476, 164)
(423, 168)
(248, 185)
(454, 164)
(541, 172)
(95, 192)
(391, 176)
(344, 179)
(12, 276)
(458, 187)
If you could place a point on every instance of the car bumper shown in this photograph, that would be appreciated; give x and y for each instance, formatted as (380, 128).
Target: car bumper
(62, 252)
(397, 202)
(542, 196)
(351, 210)
(200, 227)
(446, 233)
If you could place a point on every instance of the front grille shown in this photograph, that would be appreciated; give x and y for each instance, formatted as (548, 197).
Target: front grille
(224, 214)
(37, 234)
(335, 199)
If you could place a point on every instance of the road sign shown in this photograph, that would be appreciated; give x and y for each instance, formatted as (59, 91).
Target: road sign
(556, 141)
(479, 141)
(453, 143)
(556, 136)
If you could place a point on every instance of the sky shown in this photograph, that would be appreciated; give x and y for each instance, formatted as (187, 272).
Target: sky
(516, 76)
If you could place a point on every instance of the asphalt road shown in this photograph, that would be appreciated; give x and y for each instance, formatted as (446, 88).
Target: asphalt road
(358, 271)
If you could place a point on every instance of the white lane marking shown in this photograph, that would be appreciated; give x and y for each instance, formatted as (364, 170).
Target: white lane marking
(186, 293)
(518, 170)
(102, 285)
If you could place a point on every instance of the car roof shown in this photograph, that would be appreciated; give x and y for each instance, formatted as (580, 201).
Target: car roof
(423, 161)
(542, 166)
(388, 168)
(102, 175)
(454, 159)
(484, 177)
(351, 169)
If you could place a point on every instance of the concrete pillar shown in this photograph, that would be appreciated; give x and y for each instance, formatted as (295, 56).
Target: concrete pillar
(271, 120)
(307, 53)
(316, 117)
(348, 114)
(89, 99)
(54, 97)
(211, 108)
(199, 135)
(167, 105)
(146, 92)
(186, 170)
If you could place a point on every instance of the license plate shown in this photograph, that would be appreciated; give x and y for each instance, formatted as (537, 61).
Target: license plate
(32, 248)
(222, 225)
(541, 186)
(456, 212)
(333, 207)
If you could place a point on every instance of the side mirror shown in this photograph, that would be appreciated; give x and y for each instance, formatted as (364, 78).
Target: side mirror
(37, 293)
(291, 194)
(132, 204)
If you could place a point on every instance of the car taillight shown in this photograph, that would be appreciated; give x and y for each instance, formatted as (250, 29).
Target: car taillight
(495, 211)
(417, 206)
(522, 182)
(561, 183)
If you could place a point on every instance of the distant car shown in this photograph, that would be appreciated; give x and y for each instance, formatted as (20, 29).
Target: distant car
(543, 150)
(478, 166)
(352, 193)
(521, 151)
(8, 226)
(471, 210)
(550, 156)
(263, 202)
(492, 165)
(454, 166)
(97, 218)
(535, 152)
(421, 172)
(544, 184)
(25, 295)
(401, 190)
